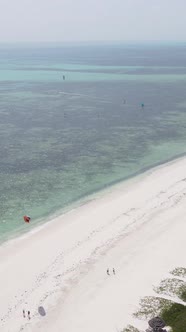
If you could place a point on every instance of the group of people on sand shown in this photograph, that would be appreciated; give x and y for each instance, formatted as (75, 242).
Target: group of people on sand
(28, 314)
(113, 271)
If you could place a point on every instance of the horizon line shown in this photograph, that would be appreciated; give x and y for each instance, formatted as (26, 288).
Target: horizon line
(95, 42)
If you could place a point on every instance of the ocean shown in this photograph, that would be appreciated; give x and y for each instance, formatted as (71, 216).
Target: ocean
(72, 122)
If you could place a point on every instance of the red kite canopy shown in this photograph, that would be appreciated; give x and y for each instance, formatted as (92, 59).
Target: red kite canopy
(26, 218)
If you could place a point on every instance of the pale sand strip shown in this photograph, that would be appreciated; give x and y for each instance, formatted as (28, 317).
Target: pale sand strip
(136, 227)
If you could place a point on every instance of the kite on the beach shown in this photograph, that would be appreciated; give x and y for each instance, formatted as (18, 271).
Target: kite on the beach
(26, 219)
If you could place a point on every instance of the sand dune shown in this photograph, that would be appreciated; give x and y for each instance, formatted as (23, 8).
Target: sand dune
(137, 227)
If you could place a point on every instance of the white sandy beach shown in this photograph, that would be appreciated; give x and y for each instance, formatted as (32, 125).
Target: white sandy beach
(138, 227)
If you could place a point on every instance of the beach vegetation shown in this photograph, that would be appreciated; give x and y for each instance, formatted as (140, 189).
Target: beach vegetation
(183, 294)
(172, 287)
(172, 312)
(175, 316)
(179, 272)
(131, 328)
(151, 306)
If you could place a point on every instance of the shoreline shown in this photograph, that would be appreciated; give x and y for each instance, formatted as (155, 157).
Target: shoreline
(88, 197)
(62, 264)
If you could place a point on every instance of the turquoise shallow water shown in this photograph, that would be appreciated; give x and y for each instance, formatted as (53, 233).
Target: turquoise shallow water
(63, 140)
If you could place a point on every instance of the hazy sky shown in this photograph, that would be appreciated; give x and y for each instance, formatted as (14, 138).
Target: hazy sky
(92, 20)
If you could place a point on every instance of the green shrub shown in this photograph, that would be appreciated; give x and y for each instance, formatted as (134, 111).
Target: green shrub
(183, 295)
(175, 317)
(131, 328)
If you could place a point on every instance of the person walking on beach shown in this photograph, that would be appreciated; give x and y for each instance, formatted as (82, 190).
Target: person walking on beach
(23, 313)
(108, 272)
(113, 271)
(29, 315)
